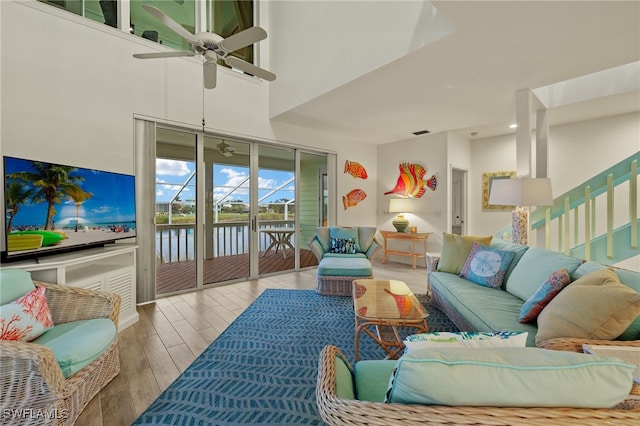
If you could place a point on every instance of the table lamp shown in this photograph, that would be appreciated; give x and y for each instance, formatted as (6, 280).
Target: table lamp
(400, 205)
(522, 193)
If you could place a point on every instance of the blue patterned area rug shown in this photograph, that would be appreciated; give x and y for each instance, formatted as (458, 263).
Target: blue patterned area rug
(262, 369)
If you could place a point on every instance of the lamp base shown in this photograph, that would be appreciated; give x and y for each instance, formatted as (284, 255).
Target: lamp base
(400, 223)
(520, 225)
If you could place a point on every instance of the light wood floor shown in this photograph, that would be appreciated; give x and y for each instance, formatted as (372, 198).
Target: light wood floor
(172, 332)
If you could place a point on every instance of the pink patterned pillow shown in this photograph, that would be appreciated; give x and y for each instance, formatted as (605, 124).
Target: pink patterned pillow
(541, 298)
(26, 318)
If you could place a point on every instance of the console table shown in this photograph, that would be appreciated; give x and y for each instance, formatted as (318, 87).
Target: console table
(413, 237)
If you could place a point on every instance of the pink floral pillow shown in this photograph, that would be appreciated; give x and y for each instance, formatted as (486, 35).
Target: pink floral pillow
(541, 298)
(26, 318)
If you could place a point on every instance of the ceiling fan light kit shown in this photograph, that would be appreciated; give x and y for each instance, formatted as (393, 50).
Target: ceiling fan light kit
(212, 47)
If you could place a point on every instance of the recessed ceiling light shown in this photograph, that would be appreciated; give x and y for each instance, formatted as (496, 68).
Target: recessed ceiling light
(421, 132)
(513, 126)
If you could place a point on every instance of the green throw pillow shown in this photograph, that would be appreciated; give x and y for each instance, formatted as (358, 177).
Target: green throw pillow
(455, 250)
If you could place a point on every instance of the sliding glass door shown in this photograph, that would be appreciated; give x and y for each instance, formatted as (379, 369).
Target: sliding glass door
(231, 210)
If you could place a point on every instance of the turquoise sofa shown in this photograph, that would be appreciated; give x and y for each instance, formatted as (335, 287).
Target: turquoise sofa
(475, 307)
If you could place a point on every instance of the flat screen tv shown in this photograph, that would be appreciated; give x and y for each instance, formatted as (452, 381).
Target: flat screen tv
(53, 208)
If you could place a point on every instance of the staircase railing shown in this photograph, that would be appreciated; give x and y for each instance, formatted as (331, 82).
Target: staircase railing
(576, 216)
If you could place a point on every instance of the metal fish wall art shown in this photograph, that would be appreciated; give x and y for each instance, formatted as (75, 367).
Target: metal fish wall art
(411, 182)
(356, 170)
(353, 198)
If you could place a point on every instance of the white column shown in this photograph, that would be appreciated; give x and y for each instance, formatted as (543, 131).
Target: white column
(524, 150)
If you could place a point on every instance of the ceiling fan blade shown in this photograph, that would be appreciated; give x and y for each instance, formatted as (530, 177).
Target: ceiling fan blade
(250, 68)
(162, 55)
(210, 74)
(177, 28)
(242, 39)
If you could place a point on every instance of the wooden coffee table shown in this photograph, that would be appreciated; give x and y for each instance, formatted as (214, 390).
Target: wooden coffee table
(381, 306)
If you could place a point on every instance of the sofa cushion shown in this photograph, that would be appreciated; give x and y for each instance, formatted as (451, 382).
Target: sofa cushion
(14, 283)
(595, 306)
(349, 267)
(534, 267)
(517, 249)
(486, 265)
(465, 339)
(76, 344)
(322, 233)
(343, 240)
(455, 250)
(372, 379)
(630, 279)
(27, 317)
(485, 309)
(541, 298)
(345, 386)
(510, 377)
(366, 234)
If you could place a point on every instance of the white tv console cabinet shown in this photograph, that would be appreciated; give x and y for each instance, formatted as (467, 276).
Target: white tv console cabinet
(110, 268)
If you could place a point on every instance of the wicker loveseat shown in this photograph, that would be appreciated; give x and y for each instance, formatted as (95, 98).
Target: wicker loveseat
(32, 384)
(340, 411)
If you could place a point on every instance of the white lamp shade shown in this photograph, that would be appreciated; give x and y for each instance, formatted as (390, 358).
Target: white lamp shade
(521, 192)
(400, 205)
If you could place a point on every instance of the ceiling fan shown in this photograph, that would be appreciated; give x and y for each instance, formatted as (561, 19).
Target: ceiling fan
(226, 149)
(212, 47)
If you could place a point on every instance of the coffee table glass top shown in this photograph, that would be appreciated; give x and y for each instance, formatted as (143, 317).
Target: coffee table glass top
(389, 299)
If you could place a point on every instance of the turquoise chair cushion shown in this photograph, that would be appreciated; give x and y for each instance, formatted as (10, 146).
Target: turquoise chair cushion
(344, 380)
(14, 283)
(349, 267)
(76, 344)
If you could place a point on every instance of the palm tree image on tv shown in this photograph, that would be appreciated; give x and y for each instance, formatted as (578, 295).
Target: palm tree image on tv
(54, 207)
(51, 183)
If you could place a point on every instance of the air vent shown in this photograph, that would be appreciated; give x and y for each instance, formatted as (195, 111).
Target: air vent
(421, 132)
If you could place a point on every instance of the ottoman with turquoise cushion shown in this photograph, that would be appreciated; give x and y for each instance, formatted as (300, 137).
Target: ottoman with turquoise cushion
(336, 274)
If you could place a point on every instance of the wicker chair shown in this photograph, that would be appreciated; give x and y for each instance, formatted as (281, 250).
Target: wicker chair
(337, 411)
(33, 388)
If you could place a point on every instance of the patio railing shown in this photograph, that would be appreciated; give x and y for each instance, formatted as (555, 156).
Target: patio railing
(176, 242)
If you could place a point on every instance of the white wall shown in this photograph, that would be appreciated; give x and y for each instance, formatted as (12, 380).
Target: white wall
(430, 212)
(73, 89)
(577, 151)
(356, 39)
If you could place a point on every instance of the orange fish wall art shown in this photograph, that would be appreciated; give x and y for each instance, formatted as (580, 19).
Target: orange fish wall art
(353, 198)
(411, 181)
(356, 170)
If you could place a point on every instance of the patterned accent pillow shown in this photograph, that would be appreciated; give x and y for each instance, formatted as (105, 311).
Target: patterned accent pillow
(466, 339)
(541, 298)
(26, 318)
(486, 265)
(343, 240)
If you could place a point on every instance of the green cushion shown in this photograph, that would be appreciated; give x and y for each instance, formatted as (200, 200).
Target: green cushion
(510, 377)
(534, 268)
(322, 234)
(340, 266)
(517, 249)
(344, 380)
(14, 283)
(455, 250)
(372, 379)
(366, 234)
(76, 344)
(485, 309)
(345, 255)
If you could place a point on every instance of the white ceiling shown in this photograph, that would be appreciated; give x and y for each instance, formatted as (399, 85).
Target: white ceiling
(466, 82)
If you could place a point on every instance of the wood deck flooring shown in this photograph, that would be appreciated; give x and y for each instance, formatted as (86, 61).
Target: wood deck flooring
(174, 330)
(176, 276)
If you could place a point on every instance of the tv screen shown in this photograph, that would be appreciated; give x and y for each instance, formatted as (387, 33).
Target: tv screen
(51, 208)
